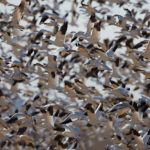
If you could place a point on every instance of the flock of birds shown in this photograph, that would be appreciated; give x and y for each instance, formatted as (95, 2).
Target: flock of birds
(66, 88)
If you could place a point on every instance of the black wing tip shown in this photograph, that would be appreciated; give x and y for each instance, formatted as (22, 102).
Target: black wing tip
(64, 27)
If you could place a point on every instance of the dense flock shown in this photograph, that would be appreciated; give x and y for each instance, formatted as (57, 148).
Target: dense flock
(75, 74)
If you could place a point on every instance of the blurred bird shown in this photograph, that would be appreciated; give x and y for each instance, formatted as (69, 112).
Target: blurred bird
(60, 35)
